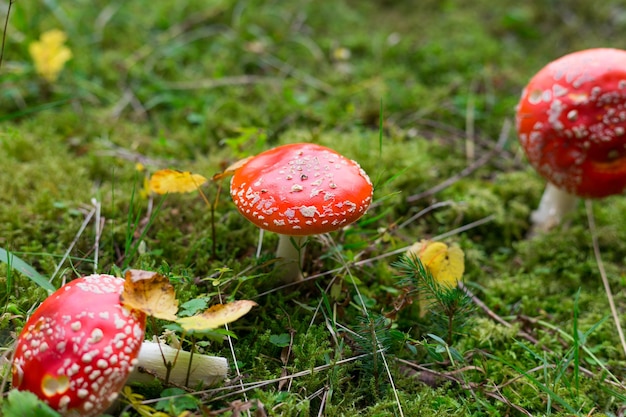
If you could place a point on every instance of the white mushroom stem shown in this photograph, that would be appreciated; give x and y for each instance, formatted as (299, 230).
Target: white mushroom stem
(204, 369)
(554, 205)
(291, 251)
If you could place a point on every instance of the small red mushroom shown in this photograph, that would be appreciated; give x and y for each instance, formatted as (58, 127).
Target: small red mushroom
(571, 122)
(299, 190)
(78, 348)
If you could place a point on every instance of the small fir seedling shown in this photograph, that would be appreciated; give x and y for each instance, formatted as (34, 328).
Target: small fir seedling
(374, 338)
(448, 306)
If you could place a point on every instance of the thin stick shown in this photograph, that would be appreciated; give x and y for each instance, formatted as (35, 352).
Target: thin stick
(504, 133)
(98, 231)
(425, 211)
(470, 139)
(378, 343)
(384, 255)
(234, 355)
(248, 386)
(69, 249)
(493, 316)
(605, 280)
(4, 32)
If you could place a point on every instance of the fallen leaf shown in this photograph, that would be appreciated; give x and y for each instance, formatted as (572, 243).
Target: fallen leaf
(151, 293)
(172, 181)
(231, 169)
(445, 263)
(216, 316)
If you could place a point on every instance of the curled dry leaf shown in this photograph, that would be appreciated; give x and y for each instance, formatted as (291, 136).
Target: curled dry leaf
(446, 263)
(216, 316)
(172, 181)
(231, 169)
(151, 293)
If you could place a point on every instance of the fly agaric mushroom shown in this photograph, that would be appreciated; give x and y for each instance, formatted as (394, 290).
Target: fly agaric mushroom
(571, 122)
(299, 190)
(78, 348)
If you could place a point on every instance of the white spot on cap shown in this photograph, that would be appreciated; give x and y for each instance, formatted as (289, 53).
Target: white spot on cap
(119, 322)
(572, 115)
(310, 211)
(137, 331)
(64, 401)
(534, 97)
(73, 370)
(96, 336)
(559, 90)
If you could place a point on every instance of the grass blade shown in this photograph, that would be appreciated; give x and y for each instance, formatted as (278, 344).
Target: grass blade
(541, 386)
(19, 265)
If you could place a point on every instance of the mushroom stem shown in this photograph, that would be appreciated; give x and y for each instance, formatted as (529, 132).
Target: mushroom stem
(291, 251)
(204, 369)
(554, 205)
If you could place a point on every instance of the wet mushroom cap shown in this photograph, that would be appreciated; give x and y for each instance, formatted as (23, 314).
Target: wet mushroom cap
(78, 348)
(301, 189)
(571, 122)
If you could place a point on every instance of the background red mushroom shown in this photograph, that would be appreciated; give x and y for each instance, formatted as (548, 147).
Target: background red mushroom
(78, 348)
(298, 190)
(571, 122)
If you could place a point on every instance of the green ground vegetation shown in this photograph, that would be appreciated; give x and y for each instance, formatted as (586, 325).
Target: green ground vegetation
(196, 85)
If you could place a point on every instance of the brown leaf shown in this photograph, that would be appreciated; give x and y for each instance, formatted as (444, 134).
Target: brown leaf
(151, 293)
(216, 316)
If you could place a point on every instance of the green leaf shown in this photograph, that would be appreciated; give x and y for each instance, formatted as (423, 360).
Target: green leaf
(19, 265)
(179, 403)
(24, 403)
(192, 307)
(437, 339)
(280, 340)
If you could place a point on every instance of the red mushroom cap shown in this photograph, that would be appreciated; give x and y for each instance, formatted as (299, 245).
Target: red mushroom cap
(77, 349)
(571, 121)
(301, 189)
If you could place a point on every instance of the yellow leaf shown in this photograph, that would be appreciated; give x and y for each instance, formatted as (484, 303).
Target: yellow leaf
(151, 293)
(216, 316)
(49, 54)
(446, 264)
(172, 181)
(231, 169)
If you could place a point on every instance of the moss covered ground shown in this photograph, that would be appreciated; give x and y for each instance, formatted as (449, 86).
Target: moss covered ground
(196, 85)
